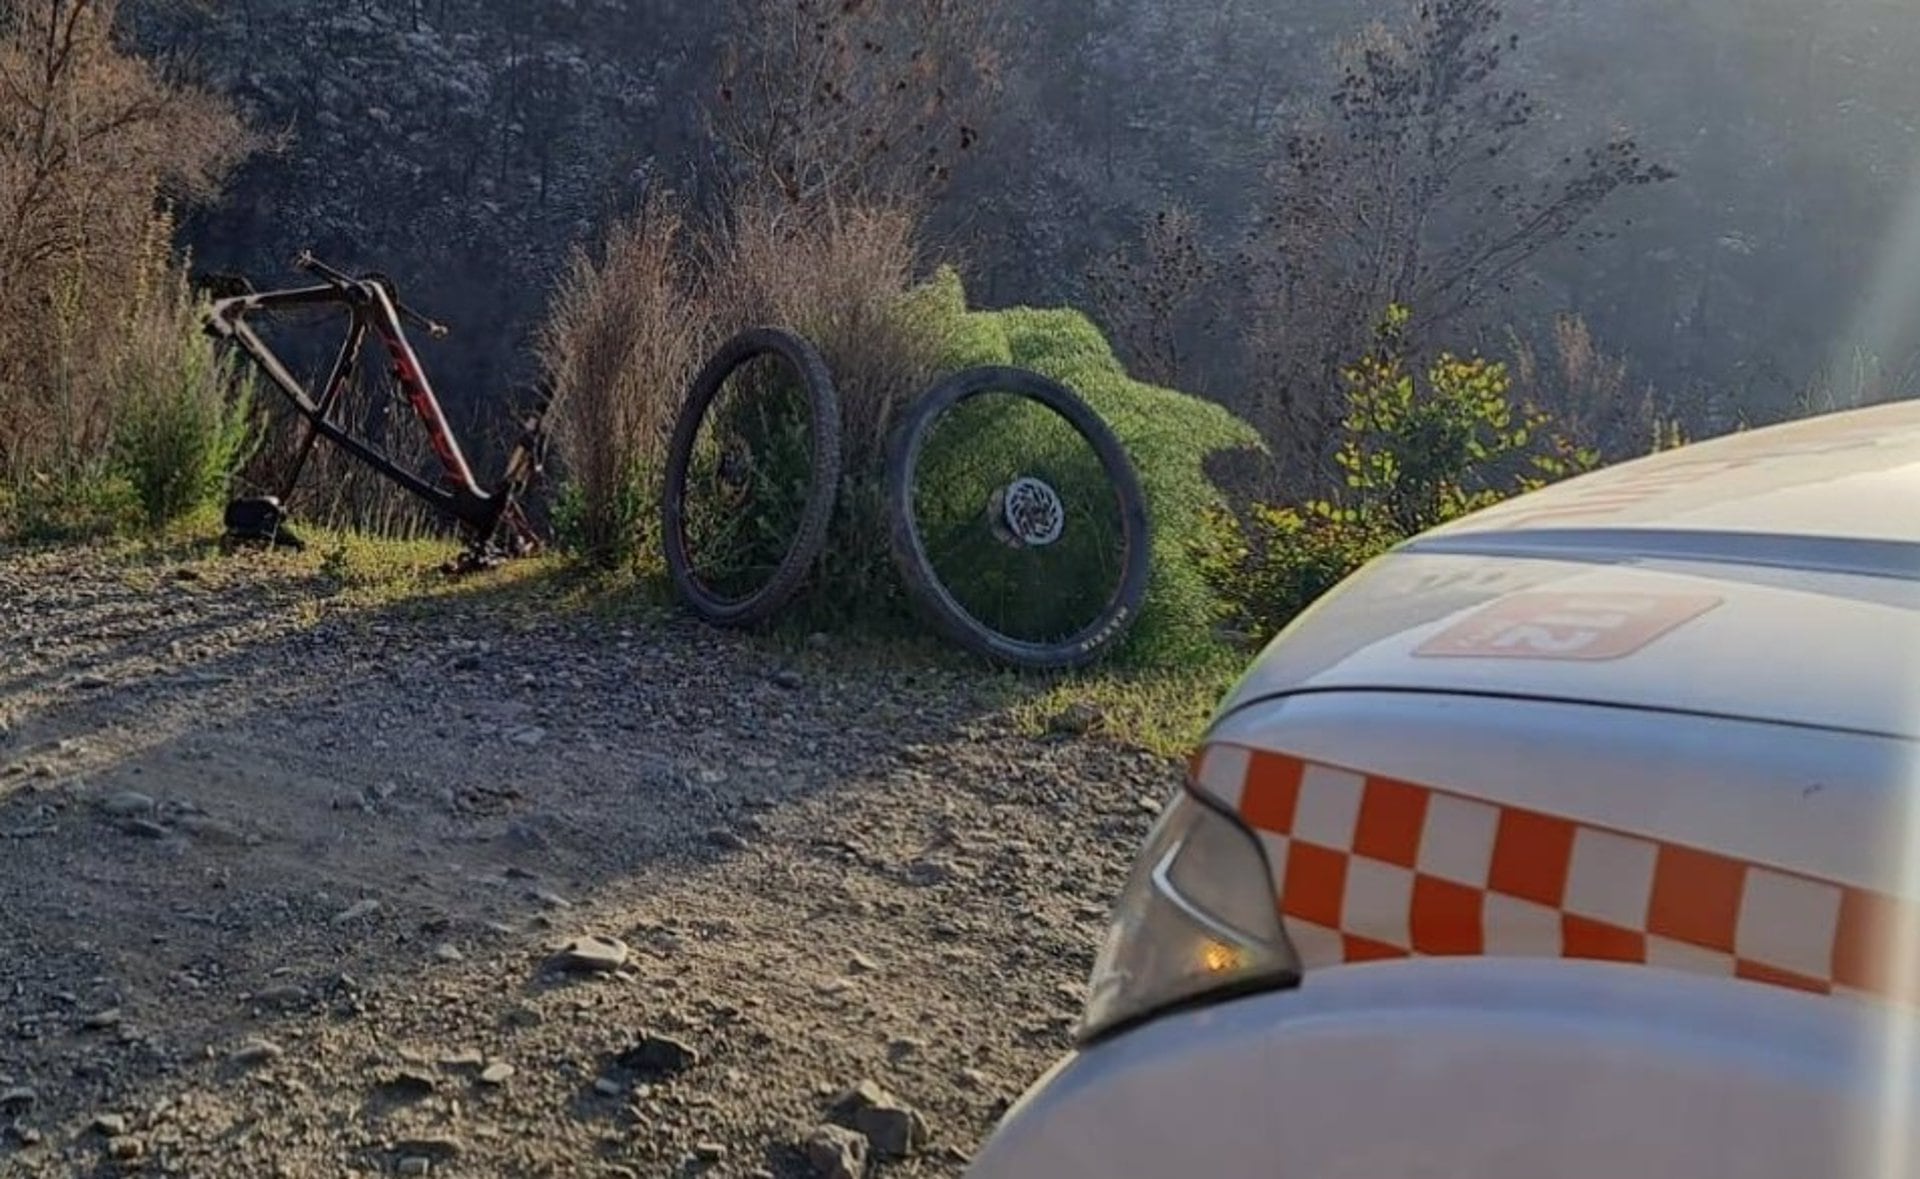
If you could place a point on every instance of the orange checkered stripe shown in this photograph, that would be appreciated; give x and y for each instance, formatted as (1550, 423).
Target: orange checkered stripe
(1370, 868)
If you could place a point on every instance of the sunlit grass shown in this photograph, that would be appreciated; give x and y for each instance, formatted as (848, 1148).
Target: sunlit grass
(1164, 711)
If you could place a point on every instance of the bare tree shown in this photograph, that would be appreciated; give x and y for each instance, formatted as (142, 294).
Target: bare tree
(854, 99)
(1411, 183)
(92, 140)
(1146, 295)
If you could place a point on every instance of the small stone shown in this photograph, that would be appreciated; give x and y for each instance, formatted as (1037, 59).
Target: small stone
(893, 1128)
(1149, 806)
(973, 1078)
(902, 1047)
(836, 1153)
(594, 954)
(147, 829)
(496, 1074)
(410, 1083)
(464, 1060)
(523, 1017)
(862, 964)
(17, 1100)
(657, 1056)
(110, 1125)
(607, 1088)
(446, 952)
(26, 1135)
(524, 836)
(356, 911)
(547, 898)
(529, 737)
(256, 1051)
(101, 1020)
(788, 678)
(709, 1152)
(434, 1148)
(126, 1149)
(1076, 719)
(126, 804)
(287, 996)
(726, 840)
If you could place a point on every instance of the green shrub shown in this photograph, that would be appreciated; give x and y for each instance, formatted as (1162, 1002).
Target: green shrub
(1418, 448)
(619, 529)
(183, 421)
(80, 503)
(1168, 435)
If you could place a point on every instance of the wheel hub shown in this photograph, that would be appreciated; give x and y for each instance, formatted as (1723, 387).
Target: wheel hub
(1031, 513)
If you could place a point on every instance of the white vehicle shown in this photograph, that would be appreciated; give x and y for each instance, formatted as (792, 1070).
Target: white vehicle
(1577, 838)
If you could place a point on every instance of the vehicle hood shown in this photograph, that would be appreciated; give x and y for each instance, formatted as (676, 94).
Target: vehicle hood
(1770, 575)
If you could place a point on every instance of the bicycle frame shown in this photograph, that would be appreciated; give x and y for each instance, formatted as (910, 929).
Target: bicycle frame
(376, 311)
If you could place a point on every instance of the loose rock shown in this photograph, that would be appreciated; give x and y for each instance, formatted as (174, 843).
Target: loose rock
(835, 1152)
(894, 1128)
(727, 840)
(126, 804)
(437, 1148)
(659, 1056)
(356, 911)
(594, 954)
(495, 1075)
(256, 1051)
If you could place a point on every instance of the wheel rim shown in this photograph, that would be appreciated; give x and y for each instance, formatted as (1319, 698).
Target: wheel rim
(748, 480)
(1017, 519)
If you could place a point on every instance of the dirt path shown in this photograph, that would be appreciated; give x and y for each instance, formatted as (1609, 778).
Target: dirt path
(281, 886)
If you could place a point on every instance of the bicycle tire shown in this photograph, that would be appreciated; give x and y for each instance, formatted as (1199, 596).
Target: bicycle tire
(823, 403)
(924, 585)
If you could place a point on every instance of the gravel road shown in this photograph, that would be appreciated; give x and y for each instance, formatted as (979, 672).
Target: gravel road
(293, 888)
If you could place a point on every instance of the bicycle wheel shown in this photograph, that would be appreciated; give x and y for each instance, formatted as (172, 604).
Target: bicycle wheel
(752, 470)
(1018, 523)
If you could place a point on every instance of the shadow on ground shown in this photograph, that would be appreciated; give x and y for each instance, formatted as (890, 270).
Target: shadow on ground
(282, 870)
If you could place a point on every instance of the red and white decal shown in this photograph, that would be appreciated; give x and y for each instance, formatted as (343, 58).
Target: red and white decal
(1591, 626)
(1371, 868)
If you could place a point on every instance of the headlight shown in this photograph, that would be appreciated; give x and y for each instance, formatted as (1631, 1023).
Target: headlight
(1198, 919)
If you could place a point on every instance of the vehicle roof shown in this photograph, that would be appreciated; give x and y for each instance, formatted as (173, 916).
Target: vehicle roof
(1769, 575)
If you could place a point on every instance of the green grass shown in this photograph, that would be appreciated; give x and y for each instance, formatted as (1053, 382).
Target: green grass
(1161, 710)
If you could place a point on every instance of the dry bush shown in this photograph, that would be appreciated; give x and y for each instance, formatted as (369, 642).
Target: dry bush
(623, 338)
(1589, 391)
(841, 278)
(1147, 295)
(854, 99)
(91, 139)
